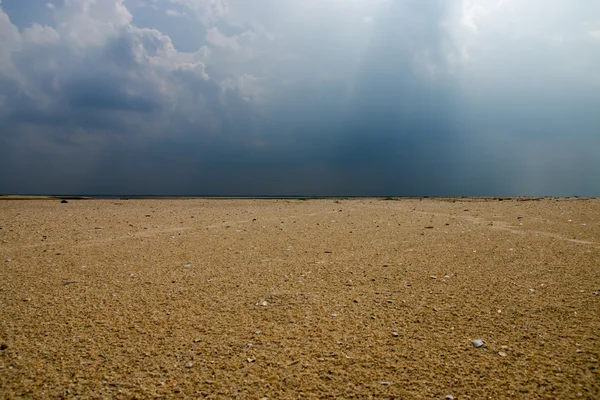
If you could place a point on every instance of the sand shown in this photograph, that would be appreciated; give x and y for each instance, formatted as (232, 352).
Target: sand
(285, 299)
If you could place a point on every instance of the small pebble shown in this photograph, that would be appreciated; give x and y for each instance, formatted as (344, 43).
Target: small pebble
(189, 364)
(384, 383)
(477, 343)
(395, 334)
(3, 346)
(333, 315)
(502, 354)
(449, 397)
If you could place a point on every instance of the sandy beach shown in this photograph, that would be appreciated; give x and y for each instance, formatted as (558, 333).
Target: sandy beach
(286, 299)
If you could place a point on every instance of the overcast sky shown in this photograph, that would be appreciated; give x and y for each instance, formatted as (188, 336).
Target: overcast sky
(300, 97)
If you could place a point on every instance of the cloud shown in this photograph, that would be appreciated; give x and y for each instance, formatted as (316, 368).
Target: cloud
(471, 13)
(119, 82)
(308, 97)
(207, 11)
(214, 37)
(39, 34)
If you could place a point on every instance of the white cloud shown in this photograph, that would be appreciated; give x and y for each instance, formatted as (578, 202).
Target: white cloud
(595, 34)
(367, 20)
(39, 34)
(51, 6)
(216, 38)
(97, 69)
(90, 22)
(205, 10)
(471, 12)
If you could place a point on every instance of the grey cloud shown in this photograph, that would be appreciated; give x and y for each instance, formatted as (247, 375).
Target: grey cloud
(105, 93)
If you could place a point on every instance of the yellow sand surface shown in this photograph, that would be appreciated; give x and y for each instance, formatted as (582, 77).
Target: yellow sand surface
(286, 299)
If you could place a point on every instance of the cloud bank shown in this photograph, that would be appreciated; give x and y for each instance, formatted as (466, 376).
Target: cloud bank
(333, 97)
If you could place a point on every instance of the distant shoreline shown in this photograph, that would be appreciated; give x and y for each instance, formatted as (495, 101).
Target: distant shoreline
(41, 197)
(241, 197)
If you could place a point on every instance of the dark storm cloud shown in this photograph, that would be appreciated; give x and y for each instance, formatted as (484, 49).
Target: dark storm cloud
(105, 93)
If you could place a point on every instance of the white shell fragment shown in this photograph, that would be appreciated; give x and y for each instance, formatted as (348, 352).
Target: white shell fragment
(477, 343)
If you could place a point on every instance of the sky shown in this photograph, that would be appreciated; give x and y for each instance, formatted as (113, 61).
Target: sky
(291, 97)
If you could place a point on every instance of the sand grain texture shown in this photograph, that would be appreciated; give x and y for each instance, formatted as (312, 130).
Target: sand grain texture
(287, 299)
